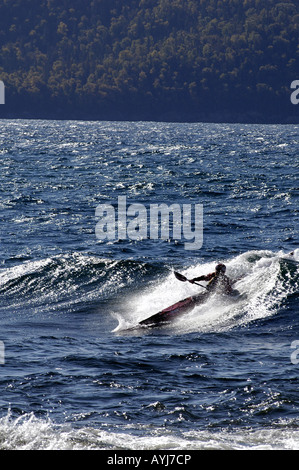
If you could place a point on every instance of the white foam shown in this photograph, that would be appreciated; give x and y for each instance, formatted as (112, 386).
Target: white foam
(30, 433)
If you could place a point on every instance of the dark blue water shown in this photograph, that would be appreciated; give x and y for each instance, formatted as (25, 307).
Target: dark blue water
(224, 376)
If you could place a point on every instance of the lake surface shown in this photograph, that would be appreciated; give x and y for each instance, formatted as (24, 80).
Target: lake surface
(223, 376)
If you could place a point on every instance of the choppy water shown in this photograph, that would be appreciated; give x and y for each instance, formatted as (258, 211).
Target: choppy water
(225, 376)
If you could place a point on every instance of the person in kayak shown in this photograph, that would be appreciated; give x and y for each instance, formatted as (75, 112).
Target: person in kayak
(216, 280)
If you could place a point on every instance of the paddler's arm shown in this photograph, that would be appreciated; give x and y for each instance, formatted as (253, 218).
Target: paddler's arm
(207, 278)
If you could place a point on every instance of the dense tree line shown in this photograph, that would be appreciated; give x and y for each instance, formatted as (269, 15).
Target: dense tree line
(181, 59)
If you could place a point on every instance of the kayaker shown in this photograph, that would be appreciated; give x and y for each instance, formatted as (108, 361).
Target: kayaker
(216, 280)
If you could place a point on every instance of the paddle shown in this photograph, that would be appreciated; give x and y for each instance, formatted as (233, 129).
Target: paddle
(183, 278)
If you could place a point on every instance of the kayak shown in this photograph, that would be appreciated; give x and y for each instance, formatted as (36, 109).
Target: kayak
(170, 313)
(183, 306)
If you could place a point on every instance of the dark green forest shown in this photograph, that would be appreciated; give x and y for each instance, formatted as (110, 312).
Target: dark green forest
(219, 60)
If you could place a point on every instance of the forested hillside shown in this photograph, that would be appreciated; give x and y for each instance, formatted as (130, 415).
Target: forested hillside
(150, 59)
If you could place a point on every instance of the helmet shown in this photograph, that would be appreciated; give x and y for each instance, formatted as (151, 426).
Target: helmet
(220, 268)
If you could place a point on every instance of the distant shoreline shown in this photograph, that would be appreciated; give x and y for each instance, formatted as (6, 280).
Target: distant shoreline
(217, 118)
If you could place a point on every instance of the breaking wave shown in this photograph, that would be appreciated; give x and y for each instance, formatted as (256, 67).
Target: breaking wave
(264, 279)
(132, 291)
(31, 433)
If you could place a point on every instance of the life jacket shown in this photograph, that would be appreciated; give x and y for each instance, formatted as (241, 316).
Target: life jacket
(219, 282)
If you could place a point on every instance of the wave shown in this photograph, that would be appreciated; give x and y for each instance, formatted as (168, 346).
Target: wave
(265, 281)
(66, 280)
(31, 433)
(133, 290)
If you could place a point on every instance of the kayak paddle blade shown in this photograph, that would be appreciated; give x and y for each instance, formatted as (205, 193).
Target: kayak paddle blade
(180, 277)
